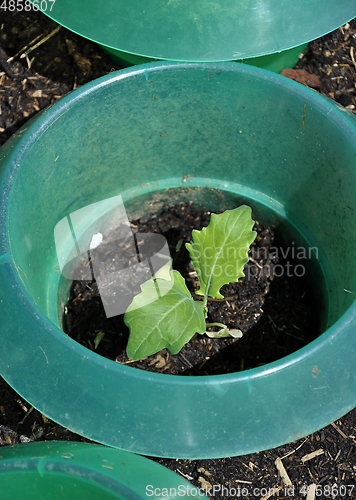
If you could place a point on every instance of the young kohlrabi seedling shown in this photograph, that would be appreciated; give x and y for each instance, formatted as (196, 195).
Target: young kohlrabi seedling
(218, 253)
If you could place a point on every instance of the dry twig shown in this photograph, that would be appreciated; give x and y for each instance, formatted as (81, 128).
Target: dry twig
(283, 473)
(43, 40)
(338, 430)
(311, 492)
(314, 454)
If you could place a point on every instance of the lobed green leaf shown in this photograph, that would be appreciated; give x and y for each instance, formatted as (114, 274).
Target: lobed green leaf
(219, 251)
(169, 322)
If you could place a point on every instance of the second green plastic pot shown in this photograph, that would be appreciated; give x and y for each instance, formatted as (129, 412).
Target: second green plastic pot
(182, 30)
(275, 62)
(57, 470)
(158, 134)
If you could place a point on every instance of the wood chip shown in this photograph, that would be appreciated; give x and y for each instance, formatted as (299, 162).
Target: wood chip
(158, 361)
(314, 454)
(45, 419)
(37, 93)
(250, 466)
(204, 483)
(8, 436)
(338, 430)
(311, 492)
(205, 472)
(26, 415)
(283, 473)
(352, 54)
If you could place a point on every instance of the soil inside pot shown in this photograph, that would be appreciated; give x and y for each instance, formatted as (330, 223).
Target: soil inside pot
(273, 305)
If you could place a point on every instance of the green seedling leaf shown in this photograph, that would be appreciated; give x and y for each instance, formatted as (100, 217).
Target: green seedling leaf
(219, 251)
(99, 337)
(168, 322)
(225, 332)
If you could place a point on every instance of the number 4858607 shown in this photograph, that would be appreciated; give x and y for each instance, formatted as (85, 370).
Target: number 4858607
(26, 5)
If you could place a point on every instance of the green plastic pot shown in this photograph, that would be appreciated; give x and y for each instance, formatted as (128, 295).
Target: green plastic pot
(276, 62)
(60, 470)
(199, 31)
(220, 135)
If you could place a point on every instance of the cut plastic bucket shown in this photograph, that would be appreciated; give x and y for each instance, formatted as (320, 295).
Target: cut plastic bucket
(217, 134)
(60, 470)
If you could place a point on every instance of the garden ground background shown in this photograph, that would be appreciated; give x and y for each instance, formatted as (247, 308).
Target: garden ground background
(32, 78)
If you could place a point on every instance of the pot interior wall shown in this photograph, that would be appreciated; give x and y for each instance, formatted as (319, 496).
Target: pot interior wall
(311, 261)
(151, 129)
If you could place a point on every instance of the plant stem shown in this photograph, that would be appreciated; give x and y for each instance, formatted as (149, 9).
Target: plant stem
(205, 299)
(221, 325)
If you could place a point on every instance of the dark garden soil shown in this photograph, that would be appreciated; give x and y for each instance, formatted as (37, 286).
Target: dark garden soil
(272, 305)
(39, 63)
